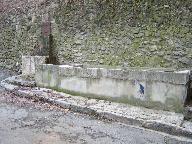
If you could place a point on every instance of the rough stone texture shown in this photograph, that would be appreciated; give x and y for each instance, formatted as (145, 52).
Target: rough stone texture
(188, 112)
(116, 32)
(30, 63)
(149, 88)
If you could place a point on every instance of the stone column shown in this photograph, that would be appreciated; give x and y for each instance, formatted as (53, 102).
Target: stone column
(30, 63)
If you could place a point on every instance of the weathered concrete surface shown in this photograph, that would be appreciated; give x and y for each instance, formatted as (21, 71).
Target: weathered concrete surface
(29, 63)
(159, 89)
(168, 122)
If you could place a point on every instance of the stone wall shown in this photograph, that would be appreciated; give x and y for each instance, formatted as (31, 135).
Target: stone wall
(159, 89)
(21, 31)
(99, 32)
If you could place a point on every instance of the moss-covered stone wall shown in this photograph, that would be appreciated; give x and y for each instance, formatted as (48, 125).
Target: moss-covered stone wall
(141, 33)
(20, 31)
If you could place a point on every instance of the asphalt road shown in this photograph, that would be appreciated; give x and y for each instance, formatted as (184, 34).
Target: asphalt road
(26, 121)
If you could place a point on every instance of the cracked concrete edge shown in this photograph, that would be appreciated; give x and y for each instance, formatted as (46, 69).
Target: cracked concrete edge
(172, 129)
(7, 86)
(19, 81)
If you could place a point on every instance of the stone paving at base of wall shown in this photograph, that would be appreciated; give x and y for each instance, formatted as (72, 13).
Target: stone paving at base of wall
(168, 122)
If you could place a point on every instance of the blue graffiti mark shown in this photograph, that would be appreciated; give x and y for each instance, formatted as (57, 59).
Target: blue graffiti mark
(142, 89)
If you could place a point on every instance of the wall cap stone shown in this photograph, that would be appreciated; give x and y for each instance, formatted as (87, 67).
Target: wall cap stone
(175, 76)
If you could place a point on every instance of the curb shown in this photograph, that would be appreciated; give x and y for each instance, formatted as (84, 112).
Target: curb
(170, 123)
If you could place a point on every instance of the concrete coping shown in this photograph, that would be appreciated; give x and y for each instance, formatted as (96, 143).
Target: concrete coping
(34, 56)
(169, 76)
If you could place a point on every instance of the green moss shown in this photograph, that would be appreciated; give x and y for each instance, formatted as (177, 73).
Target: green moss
(170, 102)
(109, 30)
(122, 27)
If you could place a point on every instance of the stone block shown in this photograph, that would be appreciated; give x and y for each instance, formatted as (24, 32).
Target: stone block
(114, 73)
(46, 74)
(26, 65)
(39, 75)
(89, 73)
(54, 76)
(66, 71)
(103, 72)
(29, 63)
